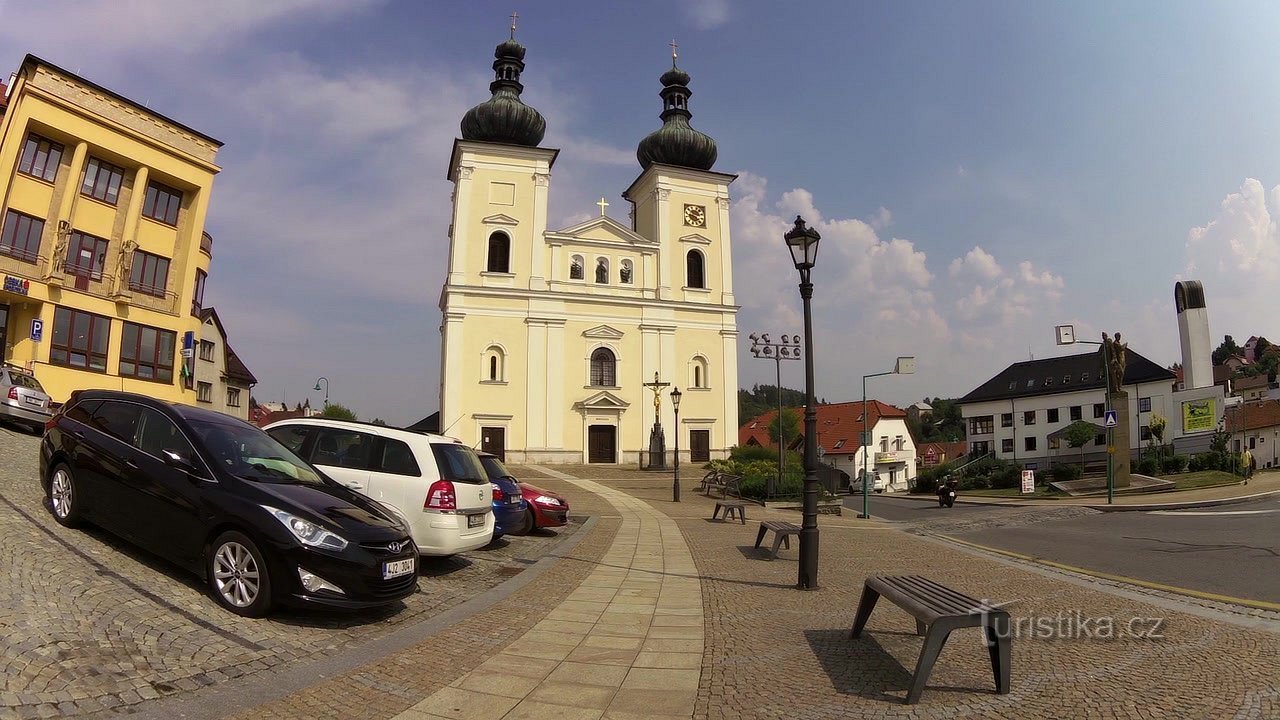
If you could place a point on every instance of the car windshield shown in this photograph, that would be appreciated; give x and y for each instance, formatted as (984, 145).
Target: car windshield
(494, 467)
(26, 381)
(249, 453)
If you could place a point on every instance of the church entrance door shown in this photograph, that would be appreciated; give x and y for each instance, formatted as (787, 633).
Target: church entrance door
(494, 440)
(602, 444)
(699, 445)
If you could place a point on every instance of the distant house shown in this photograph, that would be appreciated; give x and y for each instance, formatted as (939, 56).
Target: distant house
(936, 453)
(1256, 426)
(1022, 413)
(262, 414)
(222, 381)
(891, 455)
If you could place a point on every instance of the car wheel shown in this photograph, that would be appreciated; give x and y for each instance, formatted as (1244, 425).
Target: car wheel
(238, 575)
(530, 523)
(64, 501)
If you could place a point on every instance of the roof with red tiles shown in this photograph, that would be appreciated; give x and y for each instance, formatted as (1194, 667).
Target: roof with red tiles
(1256, 415)
(838, 425)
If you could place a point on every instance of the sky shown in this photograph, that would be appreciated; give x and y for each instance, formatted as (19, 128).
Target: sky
(979, 172)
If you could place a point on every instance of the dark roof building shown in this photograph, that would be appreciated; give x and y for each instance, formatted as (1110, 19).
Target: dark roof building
(1069, 373)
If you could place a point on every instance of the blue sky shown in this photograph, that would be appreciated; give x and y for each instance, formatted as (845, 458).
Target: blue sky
(980, 171)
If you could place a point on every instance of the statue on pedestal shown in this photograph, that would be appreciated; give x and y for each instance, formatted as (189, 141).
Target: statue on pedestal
(1115, 360)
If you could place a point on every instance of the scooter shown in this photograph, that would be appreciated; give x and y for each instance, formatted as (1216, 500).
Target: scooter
(947, 493)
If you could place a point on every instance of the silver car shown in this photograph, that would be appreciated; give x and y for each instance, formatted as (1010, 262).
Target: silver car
(22, 399)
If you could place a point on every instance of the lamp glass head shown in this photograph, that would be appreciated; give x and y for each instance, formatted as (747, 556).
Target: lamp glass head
(905, 366)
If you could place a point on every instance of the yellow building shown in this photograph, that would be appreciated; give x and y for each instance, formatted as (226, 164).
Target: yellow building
(549, 336)
(103, 253)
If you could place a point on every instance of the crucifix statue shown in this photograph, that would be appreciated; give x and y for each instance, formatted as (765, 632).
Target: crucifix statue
(657, 441)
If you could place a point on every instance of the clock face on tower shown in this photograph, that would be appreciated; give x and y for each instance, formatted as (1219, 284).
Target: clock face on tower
(695, 216)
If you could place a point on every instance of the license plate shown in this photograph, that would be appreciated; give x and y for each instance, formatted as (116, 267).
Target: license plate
(34, 401)
(514, 500)
(396, 568)
(474, 521)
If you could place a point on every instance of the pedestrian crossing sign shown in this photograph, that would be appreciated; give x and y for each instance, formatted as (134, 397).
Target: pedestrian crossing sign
(1111, 419)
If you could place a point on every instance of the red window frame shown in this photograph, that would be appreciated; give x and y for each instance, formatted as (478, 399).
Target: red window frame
(78, 243)
(150, 273)
(156, 366)
(91, 345)
(40, 158)
(102, 181)
(21, 236)
(197, 295)
(162, 203)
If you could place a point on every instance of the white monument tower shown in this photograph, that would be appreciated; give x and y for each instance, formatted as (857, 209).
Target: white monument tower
(1193, 331)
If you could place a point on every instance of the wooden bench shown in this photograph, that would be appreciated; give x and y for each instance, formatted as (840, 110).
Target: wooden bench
(938, 610)
(730, 507)
(781, 532)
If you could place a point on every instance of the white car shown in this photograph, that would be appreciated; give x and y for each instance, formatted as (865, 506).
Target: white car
(436, 483)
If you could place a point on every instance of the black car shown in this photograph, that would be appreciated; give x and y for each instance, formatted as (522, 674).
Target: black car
(220, 497)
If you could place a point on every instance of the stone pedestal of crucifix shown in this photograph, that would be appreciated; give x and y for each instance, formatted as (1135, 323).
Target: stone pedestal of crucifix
(657, 439)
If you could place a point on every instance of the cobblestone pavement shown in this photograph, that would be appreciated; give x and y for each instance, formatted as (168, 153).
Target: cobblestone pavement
(773, 651)
(88, 623)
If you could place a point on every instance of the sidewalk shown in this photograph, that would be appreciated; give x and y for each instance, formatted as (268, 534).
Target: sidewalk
(1260, 485)
(661, 613)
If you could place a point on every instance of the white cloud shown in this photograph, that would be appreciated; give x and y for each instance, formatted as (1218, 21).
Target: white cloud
(707, 14)
(1236, 256)
(876, 298)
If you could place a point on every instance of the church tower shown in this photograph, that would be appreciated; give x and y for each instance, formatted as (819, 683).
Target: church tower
(549, 337)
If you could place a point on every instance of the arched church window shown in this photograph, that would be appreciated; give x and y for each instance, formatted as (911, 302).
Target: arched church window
(698, 372)
(624, 274)
(575, 268)
(603, 368)
(602, 271)
(494, 369)
(499, 253)
(693, 270)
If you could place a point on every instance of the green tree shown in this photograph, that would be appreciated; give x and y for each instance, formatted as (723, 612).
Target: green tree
(338, 412)
(1078, 434)
(380, 421)
(1157, 426)
(761, 399)
(1227, 349)
(788, 429)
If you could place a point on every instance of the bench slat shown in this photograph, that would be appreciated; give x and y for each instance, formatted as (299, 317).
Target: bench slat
(927, 599)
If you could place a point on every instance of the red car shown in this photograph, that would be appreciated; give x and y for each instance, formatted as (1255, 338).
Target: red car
(546, 509)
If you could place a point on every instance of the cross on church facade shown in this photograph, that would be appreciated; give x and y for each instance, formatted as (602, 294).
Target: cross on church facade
(602, 205)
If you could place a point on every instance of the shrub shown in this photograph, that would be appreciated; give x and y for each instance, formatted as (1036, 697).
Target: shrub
(748, 453)
(1212, 460)
(924, 484)
(1065, 472)
(1174, 463)
(1148, 466)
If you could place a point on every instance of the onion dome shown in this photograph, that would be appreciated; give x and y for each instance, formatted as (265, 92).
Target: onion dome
(504, 118)
(676, 142)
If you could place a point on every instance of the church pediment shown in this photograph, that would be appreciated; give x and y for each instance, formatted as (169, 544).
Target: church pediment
(500, 219)
(696, 239)
(599, 231)
(603, 332)
(603, 400)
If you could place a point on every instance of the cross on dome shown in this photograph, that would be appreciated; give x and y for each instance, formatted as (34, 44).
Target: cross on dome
(514, 16)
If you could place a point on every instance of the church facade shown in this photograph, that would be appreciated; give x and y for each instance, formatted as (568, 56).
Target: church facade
(552, 340)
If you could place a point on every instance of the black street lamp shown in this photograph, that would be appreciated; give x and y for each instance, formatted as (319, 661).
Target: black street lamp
(326, 389)
(803, 244)
(675, 403)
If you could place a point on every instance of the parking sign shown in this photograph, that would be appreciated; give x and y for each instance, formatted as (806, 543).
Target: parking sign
(37, 329)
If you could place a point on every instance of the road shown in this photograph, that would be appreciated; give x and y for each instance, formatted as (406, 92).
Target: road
(1232, 550)
(898, 509)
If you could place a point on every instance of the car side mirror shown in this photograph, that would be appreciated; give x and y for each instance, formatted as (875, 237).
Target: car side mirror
(176, 459)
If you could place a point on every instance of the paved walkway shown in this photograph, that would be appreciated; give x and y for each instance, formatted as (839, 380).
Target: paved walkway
(627, 644)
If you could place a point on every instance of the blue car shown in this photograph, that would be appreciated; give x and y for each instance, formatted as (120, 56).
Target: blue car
(509, 505)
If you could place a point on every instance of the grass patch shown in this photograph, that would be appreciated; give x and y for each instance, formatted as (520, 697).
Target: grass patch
(1190, 480)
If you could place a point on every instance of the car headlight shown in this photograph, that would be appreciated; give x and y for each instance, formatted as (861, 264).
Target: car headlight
(307, 533)
(547, 500)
